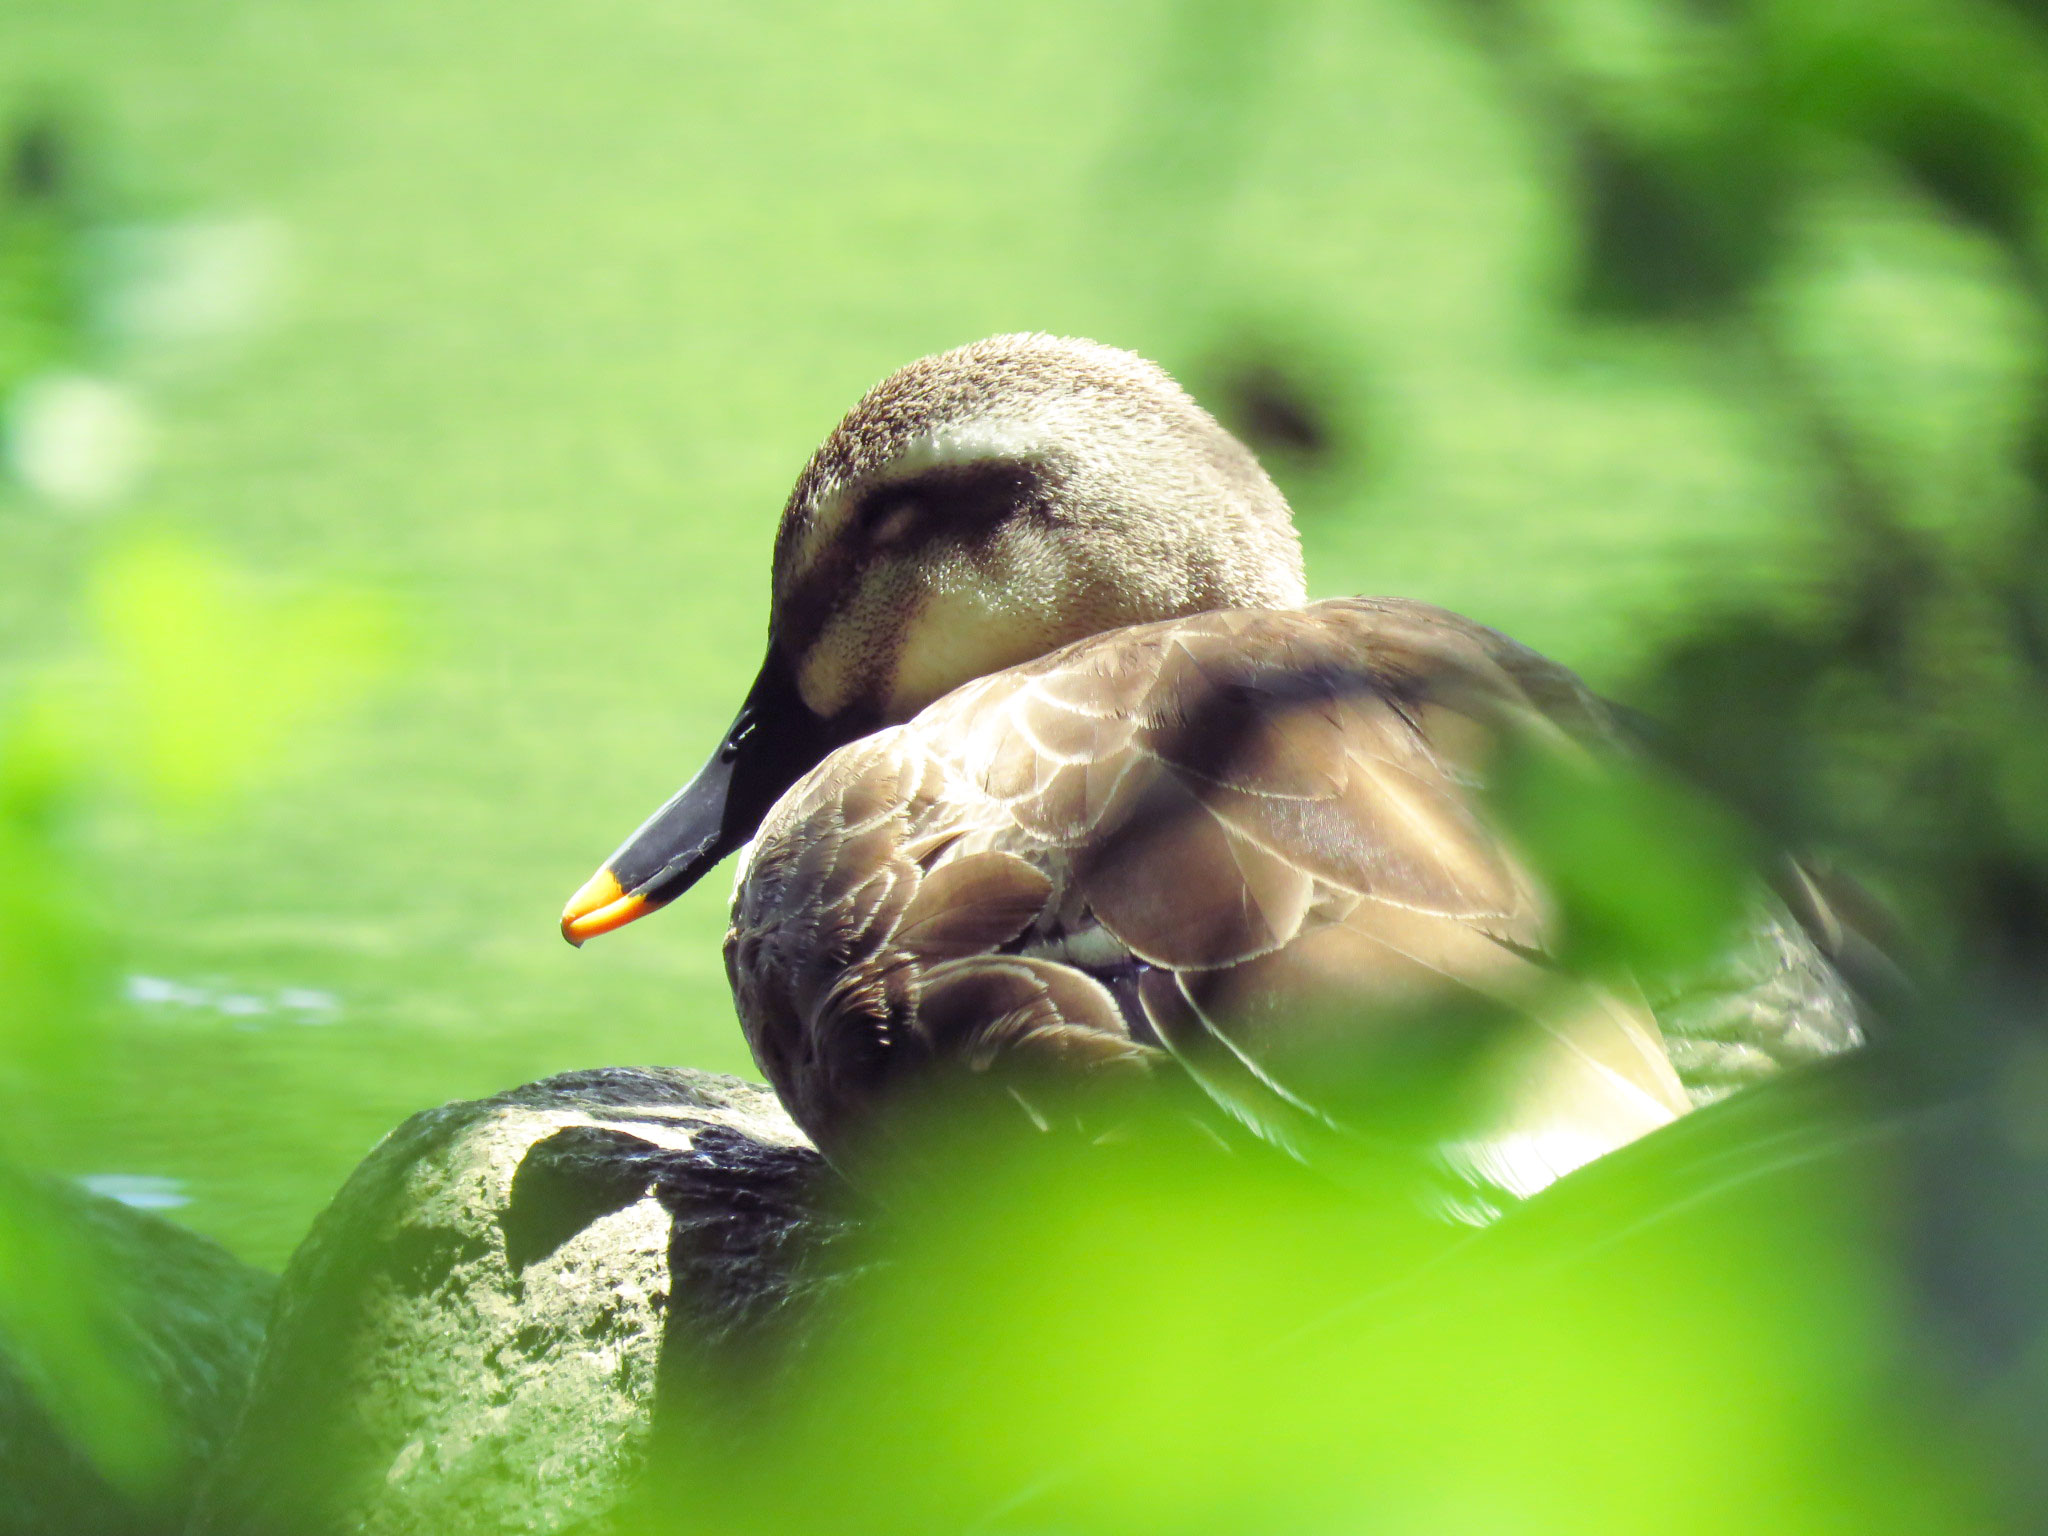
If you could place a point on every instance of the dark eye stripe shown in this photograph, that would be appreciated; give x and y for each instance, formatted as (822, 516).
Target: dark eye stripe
(963, 503)
(961, 499)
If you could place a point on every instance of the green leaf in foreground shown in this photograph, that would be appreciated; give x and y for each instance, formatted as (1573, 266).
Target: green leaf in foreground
(1647, 875)
(56, 1322)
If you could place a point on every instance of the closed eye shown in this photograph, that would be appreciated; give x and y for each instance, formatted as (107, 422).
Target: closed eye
(889, 517)
(961, 499)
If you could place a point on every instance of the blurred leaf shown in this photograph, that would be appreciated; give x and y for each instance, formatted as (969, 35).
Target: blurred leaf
(206, 682)
(38, 308)
(1674, 231)
(58, 1332)
(1647, 876)
(1126, 1338)
(51, 961)
(1919, 340)
(1953, 92)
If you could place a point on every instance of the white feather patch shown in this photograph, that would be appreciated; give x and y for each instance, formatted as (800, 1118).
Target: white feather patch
(977, 440)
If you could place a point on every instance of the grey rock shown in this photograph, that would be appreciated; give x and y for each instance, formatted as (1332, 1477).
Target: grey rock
(185, 1314)
(476, 1334)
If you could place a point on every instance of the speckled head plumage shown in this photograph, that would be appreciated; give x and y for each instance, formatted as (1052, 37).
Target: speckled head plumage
(983, 506)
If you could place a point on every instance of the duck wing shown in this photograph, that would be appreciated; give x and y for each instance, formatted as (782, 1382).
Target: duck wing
(1247, 840)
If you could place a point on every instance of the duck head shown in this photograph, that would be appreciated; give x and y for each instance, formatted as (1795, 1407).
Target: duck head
(975, 510)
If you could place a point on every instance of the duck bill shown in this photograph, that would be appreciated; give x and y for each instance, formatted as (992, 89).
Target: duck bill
(775, 740)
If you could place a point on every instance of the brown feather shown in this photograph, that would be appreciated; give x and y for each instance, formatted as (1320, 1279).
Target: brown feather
(976, 903)
(1268, 813)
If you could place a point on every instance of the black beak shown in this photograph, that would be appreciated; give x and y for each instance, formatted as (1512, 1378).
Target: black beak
(774, 742)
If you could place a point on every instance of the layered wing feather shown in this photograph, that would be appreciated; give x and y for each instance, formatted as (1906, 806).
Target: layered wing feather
(1246, 839)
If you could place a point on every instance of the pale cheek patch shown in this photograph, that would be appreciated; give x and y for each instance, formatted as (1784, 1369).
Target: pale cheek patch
(850, 660)
(823, 681)
(963, 631)
(840, 667)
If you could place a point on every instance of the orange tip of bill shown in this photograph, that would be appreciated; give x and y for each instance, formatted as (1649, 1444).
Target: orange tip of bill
(599, 907)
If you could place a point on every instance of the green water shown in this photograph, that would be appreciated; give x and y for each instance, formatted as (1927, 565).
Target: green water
(571, 291)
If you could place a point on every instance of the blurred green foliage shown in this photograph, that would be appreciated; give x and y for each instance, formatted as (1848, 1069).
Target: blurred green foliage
(1698, 344)
(208, 680)
(193, 692)
(1138, 1338)
(1648, 876)
(57, 1319)
(38, 302)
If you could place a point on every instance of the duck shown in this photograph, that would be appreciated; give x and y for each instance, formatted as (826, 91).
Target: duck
(1053, 775)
